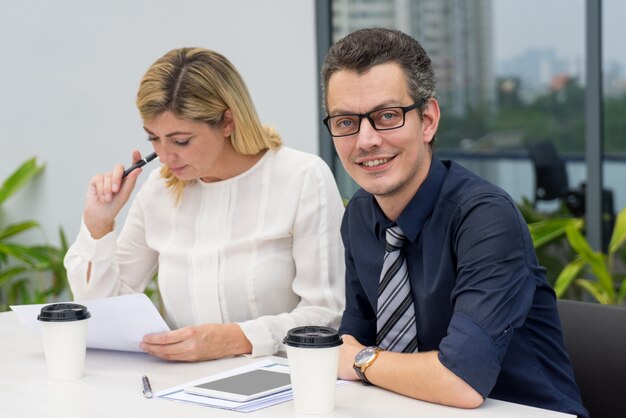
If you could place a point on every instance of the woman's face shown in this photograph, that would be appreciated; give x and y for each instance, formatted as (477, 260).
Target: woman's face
(192, 149)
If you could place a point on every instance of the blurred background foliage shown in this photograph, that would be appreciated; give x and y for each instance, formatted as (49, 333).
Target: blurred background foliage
(28, 273)
(574, 269)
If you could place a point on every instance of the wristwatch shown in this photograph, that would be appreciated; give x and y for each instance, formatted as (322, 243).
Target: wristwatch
(364, 359)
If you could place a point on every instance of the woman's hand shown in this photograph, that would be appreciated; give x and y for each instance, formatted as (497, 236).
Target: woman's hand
(106, 195)
(347, 352)
(197, 343)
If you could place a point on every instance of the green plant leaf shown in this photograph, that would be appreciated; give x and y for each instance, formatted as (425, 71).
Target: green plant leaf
(10, 273)
(546, 231)
(19, 178)
(599, 268)
(18, 293)
(579, 243)
(28, 273)
(595, 260)
(567, 276)
(619, 232)
(594, 290)
(15, 229)
(63, 240)
(45, 257)
(20, 252)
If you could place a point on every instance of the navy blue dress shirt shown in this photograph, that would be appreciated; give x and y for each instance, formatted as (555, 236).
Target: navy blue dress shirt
(480, 296)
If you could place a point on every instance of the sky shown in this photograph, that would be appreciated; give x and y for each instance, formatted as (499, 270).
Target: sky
(520, 25)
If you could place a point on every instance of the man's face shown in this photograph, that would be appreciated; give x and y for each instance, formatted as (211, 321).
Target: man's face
(388, 164)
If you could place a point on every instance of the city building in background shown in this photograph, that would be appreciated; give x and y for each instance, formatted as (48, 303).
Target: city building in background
(456, 34)
(511, 75)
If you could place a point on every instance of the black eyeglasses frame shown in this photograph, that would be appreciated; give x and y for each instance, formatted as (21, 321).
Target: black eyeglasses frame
(367, 115)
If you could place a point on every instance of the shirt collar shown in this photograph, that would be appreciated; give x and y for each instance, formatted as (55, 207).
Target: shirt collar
(419, 208)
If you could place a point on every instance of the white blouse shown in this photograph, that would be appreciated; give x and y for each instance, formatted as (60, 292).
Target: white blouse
(262, 249)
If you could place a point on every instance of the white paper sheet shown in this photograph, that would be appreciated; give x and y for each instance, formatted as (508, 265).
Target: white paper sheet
(116, 323)
(178, 394)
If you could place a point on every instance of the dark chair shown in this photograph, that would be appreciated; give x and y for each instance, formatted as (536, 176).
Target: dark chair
(552, 182)
(595, 337)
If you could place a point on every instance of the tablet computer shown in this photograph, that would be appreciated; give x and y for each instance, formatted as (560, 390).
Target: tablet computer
(245, 386)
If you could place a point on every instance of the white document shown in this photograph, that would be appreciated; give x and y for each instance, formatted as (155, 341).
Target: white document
(178, 393)
(116, 323)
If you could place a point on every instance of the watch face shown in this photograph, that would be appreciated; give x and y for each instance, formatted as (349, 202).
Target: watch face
(364, 356)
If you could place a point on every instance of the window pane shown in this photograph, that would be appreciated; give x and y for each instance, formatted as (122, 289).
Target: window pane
(509, 72)
(614, 63)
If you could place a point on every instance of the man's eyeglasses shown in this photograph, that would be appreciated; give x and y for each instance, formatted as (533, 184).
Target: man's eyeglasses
(381, 119)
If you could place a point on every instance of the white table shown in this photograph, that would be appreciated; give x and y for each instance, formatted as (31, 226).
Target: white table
(111, 387)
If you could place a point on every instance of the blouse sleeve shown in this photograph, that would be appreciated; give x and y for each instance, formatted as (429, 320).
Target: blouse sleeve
(118, 267)
(318, 256)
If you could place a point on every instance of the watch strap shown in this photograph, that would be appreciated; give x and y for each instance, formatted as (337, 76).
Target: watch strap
(361, 375)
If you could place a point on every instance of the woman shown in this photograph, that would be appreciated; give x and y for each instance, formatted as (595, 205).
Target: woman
(242, 231)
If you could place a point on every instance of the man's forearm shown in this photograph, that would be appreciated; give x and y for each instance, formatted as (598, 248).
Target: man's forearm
(422, 376)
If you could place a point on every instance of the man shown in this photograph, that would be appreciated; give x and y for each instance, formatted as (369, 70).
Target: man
(454, 308)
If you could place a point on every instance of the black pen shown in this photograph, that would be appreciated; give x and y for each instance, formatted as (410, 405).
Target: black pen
(147, 389)
(139, 163)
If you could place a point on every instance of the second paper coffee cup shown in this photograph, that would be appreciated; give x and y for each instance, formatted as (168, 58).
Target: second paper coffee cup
(64, 331)
(313, 353)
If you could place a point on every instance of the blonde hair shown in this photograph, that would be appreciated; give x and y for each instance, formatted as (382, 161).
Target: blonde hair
(199, 84)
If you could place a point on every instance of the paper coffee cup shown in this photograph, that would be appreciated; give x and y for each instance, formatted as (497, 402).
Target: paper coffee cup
(313, 353)
(64, 331)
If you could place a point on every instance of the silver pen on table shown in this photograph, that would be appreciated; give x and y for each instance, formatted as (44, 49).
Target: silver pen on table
(147, 389)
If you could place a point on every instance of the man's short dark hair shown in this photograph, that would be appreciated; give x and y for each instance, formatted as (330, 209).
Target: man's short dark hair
(365, 48)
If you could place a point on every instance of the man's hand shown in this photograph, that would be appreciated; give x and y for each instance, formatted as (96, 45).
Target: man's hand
(197, 343)
(347, 352)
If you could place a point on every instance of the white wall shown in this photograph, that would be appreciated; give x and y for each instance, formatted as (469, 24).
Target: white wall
(69, 72)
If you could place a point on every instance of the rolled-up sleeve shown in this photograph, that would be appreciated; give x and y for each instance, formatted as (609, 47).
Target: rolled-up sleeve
(493, 292)
(471, 354)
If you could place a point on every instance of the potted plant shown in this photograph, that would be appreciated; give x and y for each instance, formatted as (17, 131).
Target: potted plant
(609, 286)
(597, 273)
(28, 273)
(547, 230)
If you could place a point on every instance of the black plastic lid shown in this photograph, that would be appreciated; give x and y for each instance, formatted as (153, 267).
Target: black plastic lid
(312, 337)
(63, 312)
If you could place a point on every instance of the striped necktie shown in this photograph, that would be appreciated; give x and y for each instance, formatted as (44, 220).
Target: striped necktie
(396, 330)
